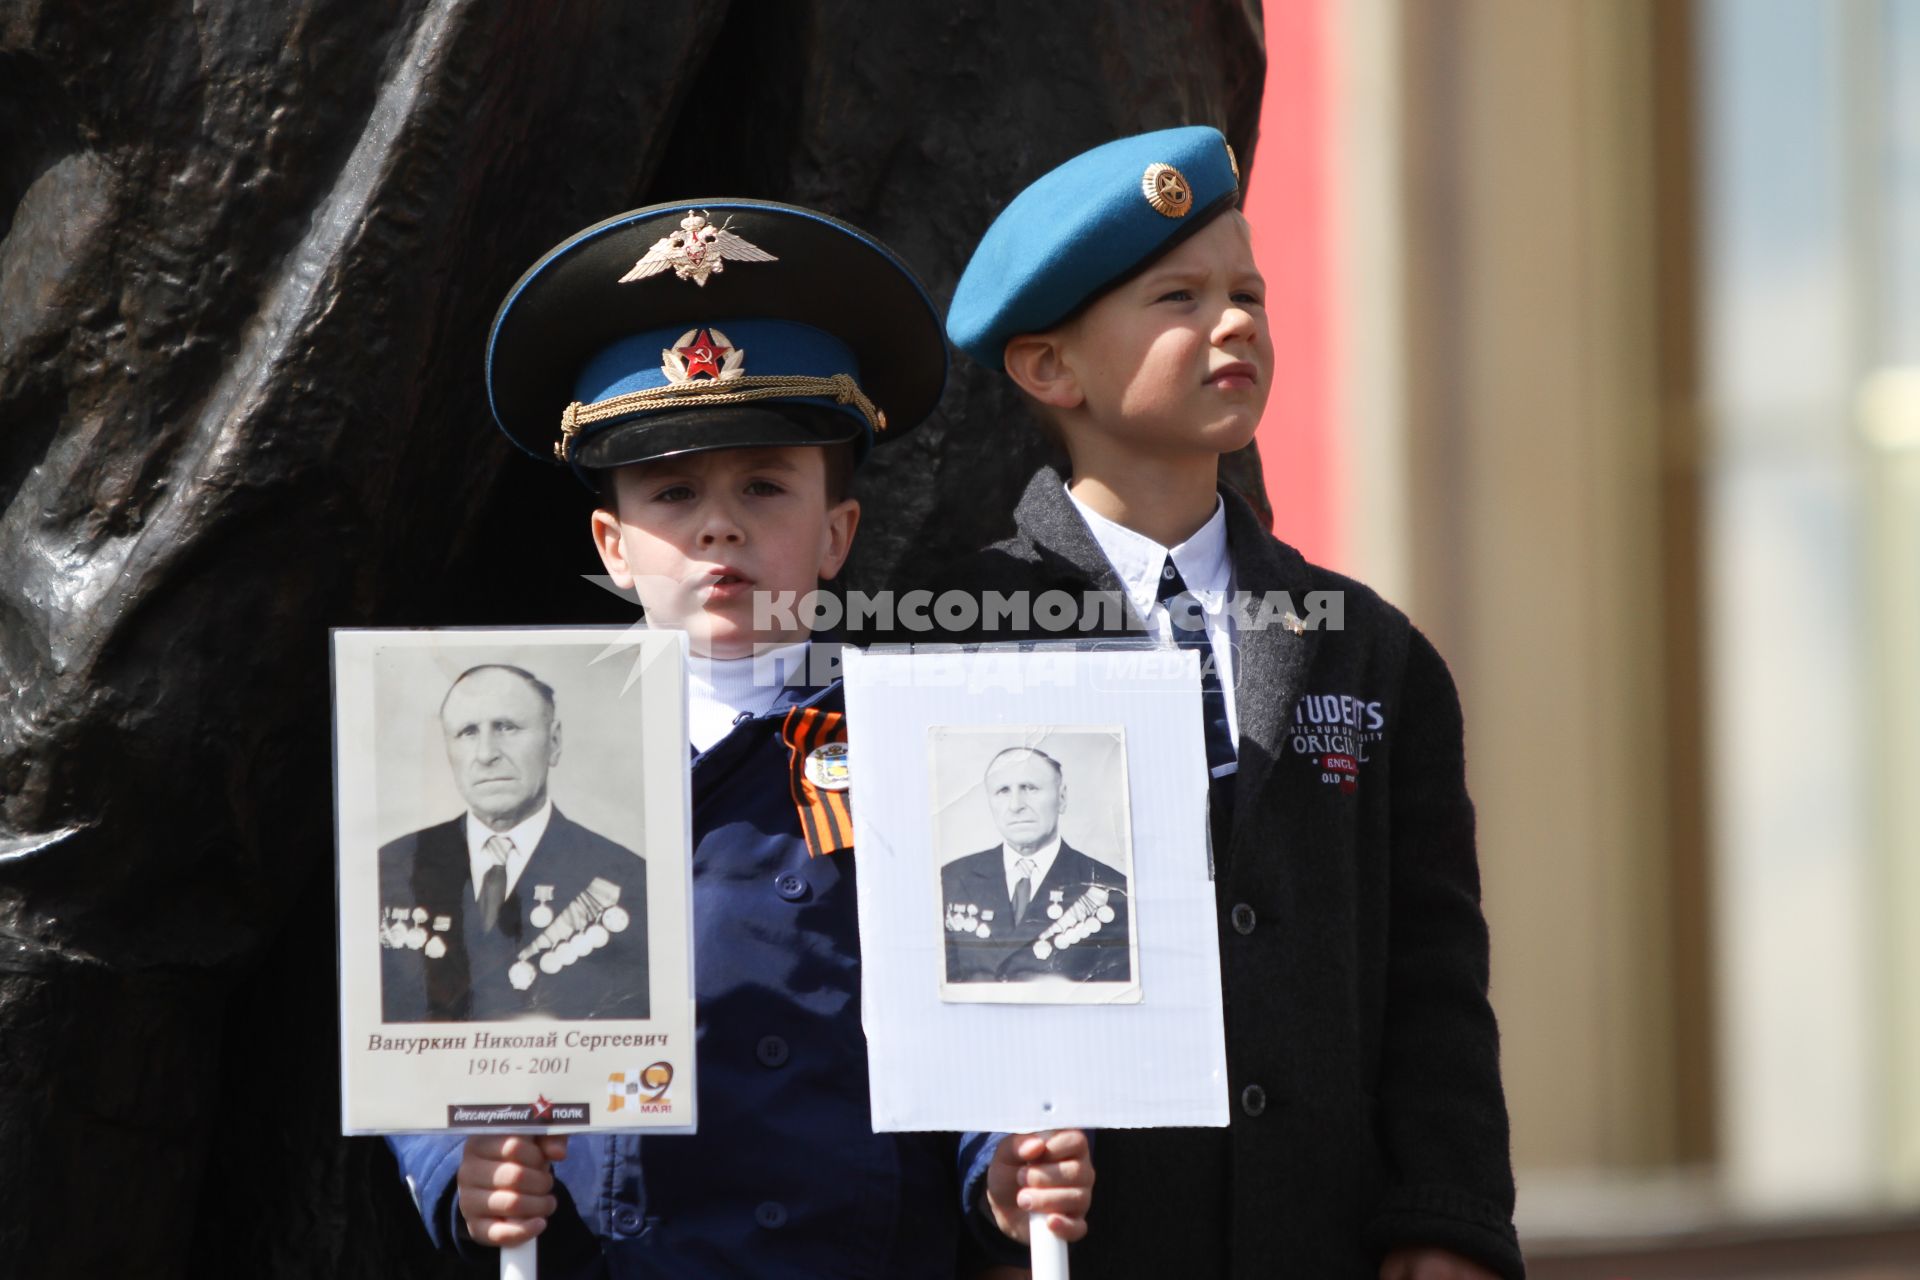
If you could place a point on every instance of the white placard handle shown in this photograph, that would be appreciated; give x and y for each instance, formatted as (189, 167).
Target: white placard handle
(1048, 1251)
(522, 1261)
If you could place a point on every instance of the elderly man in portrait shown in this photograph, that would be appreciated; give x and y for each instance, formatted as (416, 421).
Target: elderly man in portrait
(512, 909)
(1034, 907)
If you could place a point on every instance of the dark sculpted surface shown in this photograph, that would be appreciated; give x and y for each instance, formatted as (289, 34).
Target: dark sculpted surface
(248, 253)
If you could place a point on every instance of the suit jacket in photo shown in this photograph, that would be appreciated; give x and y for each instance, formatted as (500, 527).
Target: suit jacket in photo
(429, 872)
(1006, 954)
(1363, 1061)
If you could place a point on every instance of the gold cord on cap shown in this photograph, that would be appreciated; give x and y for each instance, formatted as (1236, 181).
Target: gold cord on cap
(840, 388)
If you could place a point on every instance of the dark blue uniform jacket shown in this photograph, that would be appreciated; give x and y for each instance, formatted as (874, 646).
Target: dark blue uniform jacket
(786, 1176)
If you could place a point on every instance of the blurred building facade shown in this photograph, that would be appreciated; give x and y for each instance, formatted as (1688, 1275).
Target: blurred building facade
(1599, 329)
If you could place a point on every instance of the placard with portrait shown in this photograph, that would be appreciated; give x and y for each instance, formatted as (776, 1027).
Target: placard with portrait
(514, 871)
(1037, 919)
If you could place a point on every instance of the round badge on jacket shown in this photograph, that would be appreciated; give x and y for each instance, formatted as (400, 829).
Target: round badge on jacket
(827, 767)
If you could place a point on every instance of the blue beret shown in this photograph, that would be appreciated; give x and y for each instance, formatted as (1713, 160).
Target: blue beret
(1082, 228)
(712, 324)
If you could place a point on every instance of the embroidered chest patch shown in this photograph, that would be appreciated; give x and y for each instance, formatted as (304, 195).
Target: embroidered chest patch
(1337, 734)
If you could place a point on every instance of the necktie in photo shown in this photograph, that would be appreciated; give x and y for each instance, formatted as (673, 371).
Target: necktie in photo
(1023, 891)
(1190, 632)
(493, 885)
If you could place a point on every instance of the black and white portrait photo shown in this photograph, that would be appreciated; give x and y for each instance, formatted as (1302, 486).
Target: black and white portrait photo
(509, 908)
(1032, 837)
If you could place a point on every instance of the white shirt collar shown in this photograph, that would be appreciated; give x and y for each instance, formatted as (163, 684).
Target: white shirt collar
(1202, 560)
(721, 690)
(525, 838)
(1042, 859)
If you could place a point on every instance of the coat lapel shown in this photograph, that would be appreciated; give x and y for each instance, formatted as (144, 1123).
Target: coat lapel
(1063, 875)
(1271, 661)
(1065, 545)
(985, 884)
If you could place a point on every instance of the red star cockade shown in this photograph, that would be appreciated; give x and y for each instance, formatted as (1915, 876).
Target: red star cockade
(542, 1109)
(703, 355)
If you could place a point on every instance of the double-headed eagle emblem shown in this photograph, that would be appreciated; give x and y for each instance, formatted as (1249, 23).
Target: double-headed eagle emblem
(697, 250)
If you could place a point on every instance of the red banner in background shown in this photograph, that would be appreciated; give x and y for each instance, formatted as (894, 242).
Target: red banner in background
(1289, 203)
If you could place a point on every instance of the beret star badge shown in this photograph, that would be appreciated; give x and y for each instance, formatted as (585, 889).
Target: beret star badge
(1167, 190)
(697, 250)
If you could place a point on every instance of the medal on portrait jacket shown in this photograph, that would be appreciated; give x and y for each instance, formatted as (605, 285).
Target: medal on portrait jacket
(588, 924)
(1087, 916)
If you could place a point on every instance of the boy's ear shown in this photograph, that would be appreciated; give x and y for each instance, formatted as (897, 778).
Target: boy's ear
(613, 552)
(1037, 364)
(843, 518)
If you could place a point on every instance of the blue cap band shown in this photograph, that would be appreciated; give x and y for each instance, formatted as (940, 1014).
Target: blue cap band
(764, 348)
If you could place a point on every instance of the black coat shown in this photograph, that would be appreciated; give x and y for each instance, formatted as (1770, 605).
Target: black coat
(430, 870)
(1363, 1060)
(1006, 954)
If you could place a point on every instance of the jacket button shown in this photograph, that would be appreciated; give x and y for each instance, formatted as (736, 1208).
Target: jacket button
(772, 1215)
(1253, 1099)
(772, 1051)
(790, 885)
(1243, 918)
(626, 1219)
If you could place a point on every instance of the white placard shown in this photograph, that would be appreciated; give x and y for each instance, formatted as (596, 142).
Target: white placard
(1091, 766)
(514, 861)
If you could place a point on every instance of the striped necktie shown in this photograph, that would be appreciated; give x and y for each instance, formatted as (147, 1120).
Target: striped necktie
(1023, 889)
(1189, 620)
(493, 885)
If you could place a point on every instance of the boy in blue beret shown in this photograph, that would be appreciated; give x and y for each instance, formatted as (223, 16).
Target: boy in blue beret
(1369, 1135)
(702, 367)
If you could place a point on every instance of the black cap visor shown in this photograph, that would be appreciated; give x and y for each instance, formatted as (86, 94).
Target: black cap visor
(744, 426)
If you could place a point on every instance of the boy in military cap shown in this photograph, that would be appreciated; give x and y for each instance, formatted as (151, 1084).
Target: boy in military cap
(700, 367)
(1369, 1137)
